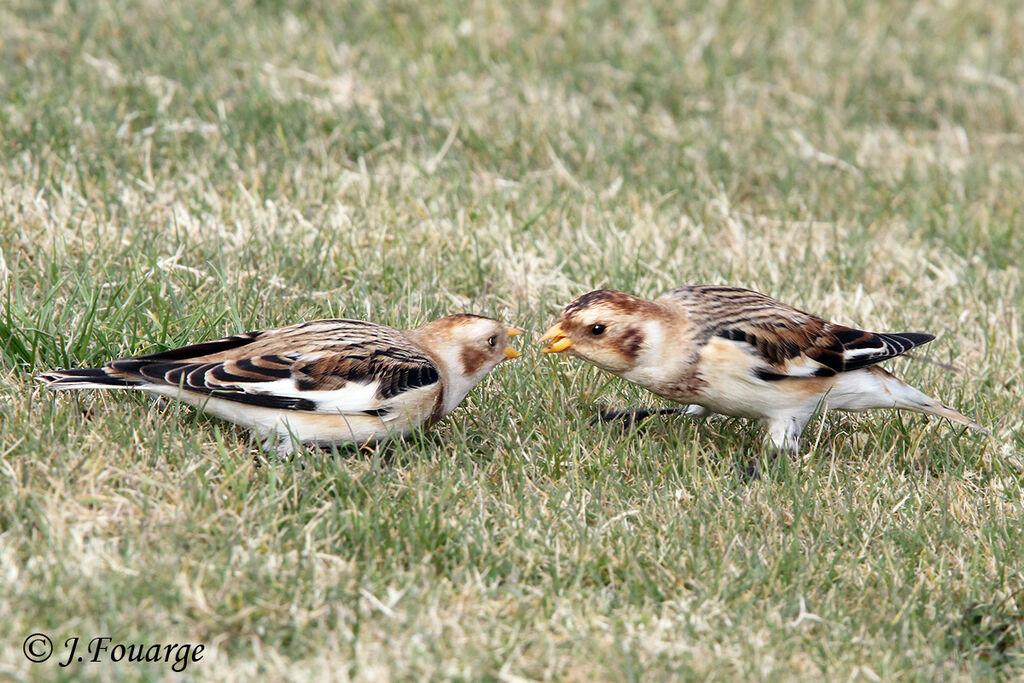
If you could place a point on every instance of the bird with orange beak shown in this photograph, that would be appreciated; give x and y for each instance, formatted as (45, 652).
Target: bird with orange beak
(324, 382)
(733, 351)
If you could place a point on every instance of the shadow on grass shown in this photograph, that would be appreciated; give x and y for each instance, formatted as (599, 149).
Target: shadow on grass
(989, 632)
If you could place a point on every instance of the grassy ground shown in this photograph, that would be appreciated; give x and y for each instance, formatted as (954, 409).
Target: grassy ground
(171, 172)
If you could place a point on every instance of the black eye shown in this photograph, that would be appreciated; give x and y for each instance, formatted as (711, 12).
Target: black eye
(597, 329)
(490, 340)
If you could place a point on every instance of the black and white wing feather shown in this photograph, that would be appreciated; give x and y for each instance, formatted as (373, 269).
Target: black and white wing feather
(790, 342)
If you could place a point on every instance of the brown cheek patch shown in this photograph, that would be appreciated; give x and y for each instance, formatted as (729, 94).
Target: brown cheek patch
(630, 343)
(472, 360)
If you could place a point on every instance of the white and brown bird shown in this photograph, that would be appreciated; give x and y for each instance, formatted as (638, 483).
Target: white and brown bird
(736, 352)
(324, 383)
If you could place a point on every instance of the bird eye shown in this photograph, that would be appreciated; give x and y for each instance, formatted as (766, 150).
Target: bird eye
(491, 339)
(597, 329)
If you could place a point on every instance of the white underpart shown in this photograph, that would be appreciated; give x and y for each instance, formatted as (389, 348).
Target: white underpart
(351, 398)
(864, 390)
(458, 388)
(731, 387)
(852, 391)
(261, 420)
(284, 430)
(649, 368)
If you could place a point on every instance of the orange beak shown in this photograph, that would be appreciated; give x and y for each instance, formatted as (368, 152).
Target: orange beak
(555, 340)
(511, 353)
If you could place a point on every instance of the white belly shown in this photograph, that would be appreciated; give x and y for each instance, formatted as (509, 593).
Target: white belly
(324, 429)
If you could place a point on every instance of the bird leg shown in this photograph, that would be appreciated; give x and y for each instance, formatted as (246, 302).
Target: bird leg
(784, 432)
(279, 442)
(632, 416)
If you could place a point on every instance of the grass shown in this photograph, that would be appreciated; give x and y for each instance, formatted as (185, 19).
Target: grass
(171, 172)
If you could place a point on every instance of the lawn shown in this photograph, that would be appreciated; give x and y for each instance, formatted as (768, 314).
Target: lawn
(177, 171)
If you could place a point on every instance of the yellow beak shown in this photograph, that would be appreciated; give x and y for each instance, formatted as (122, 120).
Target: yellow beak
(511, 353)
(556, 340)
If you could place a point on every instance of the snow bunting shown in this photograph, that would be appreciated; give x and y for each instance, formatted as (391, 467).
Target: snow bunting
(736, 352)
(326, 382)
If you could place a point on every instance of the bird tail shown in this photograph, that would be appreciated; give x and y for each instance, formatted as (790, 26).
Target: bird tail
(942, 410)
(909, 398)
(84, 378)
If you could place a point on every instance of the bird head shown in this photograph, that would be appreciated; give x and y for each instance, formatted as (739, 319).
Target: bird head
(470, 345)
(607, 328)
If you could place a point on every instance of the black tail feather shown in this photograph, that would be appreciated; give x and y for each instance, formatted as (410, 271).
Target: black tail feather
(912, 338)
(83, 378)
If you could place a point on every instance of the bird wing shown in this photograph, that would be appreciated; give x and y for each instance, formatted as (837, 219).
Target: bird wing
(788, 342)
(336, 366)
